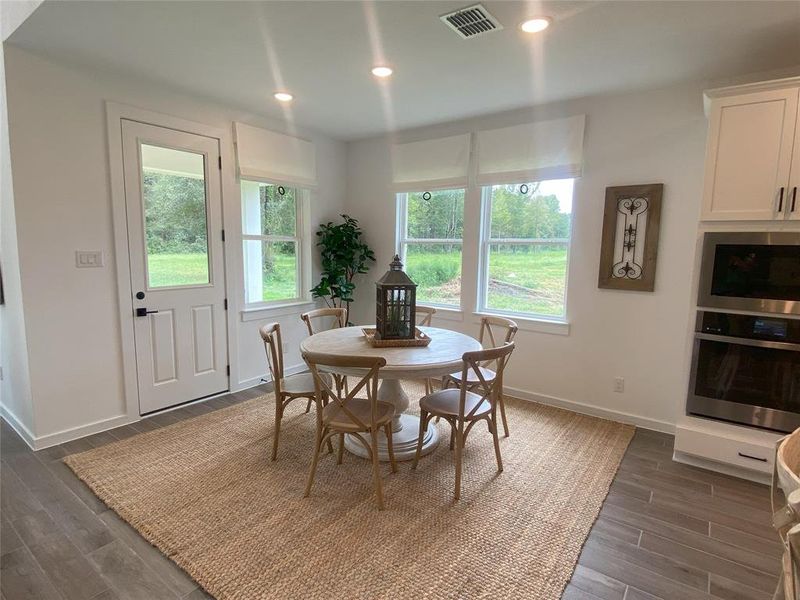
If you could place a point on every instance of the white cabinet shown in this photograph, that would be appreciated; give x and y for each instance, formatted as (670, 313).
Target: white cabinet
(733, 449)
(753, 154)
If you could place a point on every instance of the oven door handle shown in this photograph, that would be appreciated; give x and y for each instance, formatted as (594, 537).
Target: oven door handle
(748, 342)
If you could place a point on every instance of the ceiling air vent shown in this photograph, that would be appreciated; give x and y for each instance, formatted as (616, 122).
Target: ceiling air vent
(471, 22)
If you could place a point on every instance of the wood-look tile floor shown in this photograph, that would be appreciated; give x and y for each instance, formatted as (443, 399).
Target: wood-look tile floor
(666, 530)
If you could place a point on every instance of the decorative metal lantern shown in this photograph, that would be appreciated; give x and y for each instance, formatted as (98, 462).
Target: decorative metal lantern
(396, 305)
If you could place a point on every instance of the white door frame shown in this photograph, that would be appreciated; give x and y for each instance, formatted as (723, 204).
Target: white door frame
(114, 114)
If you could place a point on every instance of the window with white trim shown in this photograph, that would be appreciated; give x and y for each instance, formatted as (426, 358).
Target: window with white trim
(430, 238)
(274, 243)
(525, 238)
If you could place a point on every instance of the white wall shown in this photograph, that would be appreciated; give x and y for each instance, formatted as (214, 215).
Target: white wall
(649, 137)
(15, 392)
(63, 203)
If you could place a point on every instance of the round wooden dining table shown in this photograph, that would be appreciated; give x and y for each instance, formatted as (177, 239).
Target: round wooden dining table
(441, 357)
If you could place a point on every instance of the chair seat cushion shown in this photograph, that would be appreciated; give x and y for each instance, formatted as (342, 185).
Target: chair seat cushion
(334, 417)
(472, 378)
(445, 403)
(302, 383)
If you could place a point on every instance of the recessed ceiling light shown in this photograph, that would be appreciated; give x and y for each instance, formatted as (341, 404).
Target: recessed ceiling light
(283, 96)
(382, 71)
(535, 25)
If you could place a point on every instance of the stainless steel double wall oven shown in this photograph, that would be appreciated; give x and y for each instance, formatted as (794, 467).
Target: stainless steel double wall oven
(746, 358)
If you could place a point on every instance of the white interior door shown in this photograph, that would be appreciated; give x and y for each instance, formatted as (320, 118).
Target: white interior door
(173, 203)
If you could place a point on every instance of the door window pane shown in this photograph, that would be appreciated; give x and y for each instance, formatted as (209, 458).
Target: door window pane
(271, 270)
(527, 278)
(436, 269)
(176, 227)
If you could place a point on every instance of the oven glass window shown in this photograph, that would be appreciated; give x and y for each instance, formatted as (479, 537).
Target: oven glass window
(756, 271)
(765, 377)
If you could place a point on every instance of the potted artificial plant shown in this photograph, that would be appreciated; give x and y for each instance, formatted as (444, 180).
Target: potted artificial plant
(344, 255)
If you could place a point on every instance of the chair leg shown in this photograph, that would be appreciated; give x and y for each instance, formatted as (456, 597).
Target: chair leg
(278, 417)
(308, 406)
(376, 468)
(390, 445)
(503, 414)
(496, 439)
(452, 436)
(340, 453)
(315, 460)
(459, 452)
(423, 427)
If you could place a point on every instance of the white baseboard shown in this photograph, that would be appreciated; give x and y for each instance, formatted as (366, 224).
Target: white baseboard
(17, 425)
(74, 433)
(104, 425)
(595, 411)
(59, 437)
(265, 378)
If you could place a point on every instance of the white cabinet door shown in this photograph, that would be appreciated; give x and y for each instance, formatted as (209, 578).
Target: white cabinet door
(793, 191)
(749, 156)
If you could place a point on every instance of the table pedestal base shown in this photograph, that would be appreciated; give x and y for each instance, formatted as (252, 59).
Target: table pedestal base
(404, 439)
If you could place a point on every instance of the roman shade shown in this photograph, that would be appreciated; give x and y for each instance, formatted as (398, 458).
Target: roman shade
(274, 157)
(531, 152)
(437, 163)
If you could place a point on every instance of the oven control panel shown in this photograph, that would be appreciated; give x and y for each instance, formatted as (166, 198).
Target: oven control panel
(754, 327)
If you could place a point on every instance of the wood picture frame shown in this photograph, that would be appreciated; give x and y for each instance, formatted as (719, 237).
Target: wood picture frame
(629, 248)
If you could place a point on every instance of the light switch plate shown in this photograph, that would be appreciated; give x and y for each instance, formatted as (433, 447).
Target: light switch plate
(88, 258)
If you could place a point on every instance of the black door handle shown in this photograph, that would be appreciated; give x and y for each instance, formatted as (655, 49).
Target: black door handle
(780, 201)
(143, 312)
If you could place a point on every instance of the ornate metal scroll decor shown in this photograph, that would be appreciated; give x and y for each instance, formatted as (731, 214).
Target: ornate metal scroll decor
(630, 237)
(632, 210)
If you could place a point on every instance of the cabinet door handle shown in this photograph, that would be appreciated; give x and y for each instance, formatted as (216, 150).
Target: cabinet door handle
(758, 458)
(780, 201)
(794, 197)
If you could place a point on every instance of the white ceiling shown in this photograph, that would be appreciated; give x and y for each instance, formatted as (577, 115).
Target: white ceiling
(239, 53)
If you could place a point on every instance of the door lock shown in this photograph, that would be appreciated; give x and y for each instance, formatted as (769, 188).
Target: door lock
(143, 312)
(140, 295)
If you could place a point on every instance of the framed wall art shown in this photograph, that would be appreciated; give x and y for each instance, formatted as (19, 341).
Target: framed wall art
(630, 237)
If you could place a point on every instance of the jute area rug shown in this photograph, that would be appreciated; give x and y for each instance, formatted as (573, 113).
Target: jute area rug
(206, 494)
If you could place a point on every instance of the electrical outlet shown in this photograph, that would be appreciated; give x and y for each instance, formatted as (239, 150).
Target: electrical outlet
(619, 384)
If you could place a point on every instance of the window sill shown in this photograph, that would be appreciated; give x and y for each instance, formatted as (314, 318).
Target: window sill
(551, 326)
(259, 313)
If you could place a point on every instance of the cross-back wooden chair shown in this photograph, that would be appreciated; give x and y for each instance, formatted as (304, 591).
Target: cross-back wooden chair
(286, 388)
(463, 408)
(315, 321)
(425, 315)
(425, 318)
(348, 412)
(494, 332)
